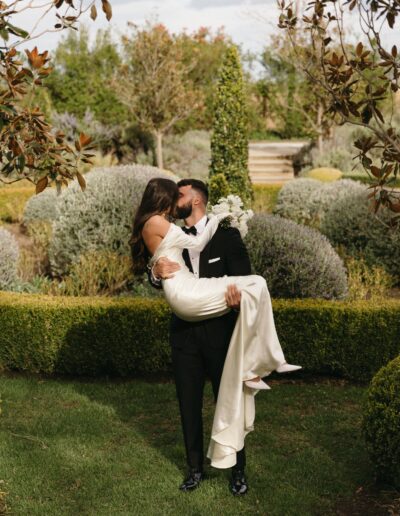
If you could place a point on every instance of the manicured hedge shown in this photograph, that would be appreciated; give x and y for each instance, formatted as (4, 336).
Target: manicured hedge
(381, 422)
(90, 336)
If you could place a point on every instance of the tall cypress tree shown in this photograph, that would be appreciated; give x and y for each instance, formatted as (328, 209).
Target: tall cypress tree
(229, 141)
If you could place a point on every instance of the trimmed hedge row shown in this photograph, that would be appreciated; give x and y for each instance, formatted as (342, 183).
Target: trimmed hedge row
(126, 336)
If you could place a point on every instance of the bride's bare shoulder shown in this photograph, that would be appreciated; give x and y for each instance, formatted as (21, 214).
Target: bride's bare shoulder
(156, 224)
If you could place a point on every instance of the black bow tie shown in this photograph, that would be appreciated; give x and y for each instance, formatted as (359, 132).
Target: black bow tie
(191, 230)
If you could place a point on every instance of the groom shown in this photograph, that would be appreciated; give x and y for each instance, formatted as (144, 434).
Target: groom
(199, 348)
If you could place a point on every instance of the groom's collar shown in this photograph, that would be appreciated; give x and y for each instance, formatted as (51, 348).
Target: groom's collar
(201, 224)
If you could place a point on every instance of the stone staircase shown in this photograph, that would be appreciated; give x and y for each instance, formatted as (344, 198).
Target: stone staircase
(272, 162)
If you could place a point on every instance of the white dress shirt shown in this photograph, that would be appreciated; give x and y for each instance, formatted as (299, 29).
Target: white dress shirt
(195, 255)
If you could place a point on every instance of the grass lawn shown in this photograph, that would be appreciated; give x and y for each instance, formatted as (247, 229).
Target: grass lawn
(76, 447)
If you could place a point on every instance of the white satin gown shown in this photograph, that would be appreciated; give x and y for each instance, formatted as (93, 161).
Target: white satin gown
(254, 349)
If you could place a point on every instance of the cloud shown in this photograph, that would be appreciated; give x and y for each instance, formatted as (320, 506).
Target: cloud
(204, 4)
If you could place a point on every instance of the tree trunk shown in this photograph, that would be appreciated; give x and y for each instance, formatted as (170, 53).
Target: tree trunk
(320, 114)
(159, 151)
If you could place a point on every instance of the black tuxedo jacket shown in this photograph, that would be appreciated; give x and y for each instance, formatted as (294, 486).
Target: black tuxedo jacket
(225, 254)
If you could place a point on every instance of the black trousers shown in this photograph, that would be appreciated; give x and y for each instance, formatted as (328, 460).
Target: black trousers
(192, 362)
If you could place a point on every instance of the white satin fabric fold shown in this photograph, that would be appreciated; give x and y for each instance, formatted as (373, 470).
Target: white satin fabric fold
(254, 349)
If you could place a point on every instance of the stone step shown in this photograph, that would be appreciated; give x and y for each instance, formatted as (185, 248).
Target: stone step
(269, 178)
(271, 167)
(270, 161)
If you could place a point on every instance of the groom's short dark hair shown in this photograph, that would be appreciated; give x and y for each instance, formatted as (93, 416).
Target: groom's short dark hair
(197, 185)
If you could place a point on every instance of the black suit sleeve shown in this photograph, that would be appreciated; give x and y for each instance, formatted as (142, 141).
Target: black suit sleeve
(237, 257)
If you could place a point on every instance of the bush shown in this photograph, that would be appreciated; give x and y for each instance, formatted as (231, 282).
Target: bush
(382, 422)
(12, 202)
(325, 174)
(339, 158)
(351, 223)
(366, 282)
(265, 197)
(296, 261)
(229, 141)
(96, 273)
(328, 194)
(9, 254)
(187, 155)
(293, 198)
(42, 207)
(128, 336)
(100, 218)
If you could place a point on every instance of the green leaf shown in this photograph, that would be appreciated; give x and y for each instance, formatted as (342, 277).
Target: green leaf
(17, 31)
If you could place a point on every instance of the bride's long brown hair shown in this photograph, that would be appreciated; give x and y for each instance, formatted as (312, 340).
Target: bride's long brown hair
(160, 196)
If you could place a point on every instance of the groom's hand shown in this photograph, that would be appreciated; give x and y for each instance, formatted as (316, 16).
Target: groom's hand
(233, 296)
(164, 268)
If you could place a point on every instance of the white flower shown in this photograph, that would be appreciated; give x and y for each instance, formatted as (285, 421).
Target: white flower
(233, 205)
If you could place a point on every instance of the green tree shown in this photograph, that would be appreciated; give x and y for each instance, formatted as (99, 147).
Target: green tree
(29, 149)
(208, 48)
(153, 82)
(81, 77)
(357, 80)
(229, 141)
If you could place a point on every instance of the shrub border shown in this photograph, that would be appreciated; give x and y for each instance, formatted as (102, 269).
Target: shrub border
(128, 336)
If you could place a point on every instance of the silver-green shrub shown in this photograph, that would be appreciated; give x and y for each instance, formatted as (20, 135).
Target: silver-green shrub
(41, 207)
(100, 218)
(187, 155)
(296, 261)
(9, 254)
(293, 198)
(351, 222)
(321, 199)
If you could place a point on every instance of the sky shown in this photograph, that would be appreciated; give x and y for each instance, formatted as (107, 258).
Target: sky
(248, 22)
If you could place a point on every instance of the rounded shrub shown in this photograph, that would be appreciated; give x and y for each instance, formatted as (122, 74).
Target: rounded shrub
(41, 207)
(321, 199)
(325, 174)
(9, 254)
(293, 198)
(100, 218)
(381, 422)
(351, 222)
(296, 261)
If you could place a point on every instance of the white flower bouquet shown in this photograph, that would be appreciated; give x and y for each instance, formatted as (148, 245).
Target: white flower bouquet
(237, 217)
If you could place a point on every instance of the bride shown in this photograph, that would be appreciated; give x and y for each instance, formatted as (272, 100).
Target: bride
(254, 350)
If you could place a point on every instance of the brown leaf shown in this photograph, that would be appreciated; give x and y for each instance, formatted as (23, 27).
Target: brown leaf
(81, 181)
(377, 172)
(107, 9)
(394, 207)
(84, 139)
(42, 184)
(359, 49)
(93, 12)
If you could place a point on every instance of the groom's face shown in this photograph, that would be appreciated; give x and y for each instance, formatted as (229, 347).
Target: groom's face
(184, 206)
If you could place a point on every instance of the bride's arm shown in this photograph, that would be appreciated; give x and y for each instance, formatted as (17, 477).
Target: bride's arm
(199, 242)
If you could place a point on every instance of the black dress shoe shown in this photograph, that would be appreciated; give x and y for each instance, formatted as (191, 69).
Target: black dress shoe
(238, 484)
(192, 480)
